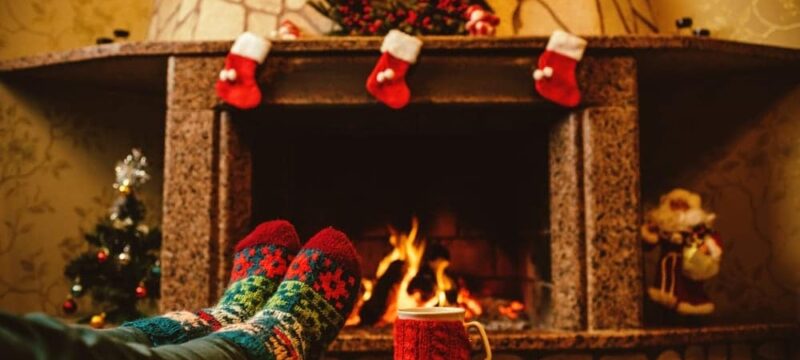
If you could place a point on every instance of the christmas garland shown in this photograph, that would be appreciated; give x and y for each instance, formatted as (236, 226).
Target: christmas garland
(414, 17)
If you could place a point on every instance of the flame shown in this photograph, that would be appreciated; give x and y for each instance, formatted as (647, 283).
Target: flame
(469, 303)
(408, 249)
(355, 318)
(443, 282)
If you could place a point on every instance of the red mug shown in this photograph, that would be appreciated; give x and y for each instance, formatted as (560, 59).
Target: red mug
(435, 333)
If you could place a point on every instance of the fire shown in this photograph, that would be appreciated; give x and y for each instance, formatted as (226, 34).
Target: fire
(512, 310)
(394, 285)
(409, 250)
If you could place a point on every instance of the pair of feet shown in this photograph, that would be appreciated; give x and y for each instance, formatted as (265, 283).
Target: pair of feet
(283, 301)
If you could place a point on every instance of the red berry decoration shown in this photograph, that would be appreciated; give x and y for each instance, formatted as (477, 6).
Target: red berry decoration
(69, 306)
(141, 291)
(102, 256)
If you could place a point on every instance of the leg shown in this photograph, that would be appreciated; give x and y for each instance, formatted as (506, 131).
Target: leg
(310, 306)
(41, 337)
(260, 262)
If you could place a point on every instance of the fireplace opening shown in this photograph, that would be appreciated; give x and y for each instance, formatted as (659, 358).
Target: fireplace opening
(458, 196)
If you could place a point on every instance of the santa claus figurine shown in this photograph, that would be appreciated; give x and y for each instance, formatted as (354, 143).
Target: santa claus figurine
(690, 252)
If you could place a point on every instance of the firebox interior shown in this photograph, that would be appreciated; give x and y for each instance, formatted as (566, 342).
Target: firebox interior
(475, 177)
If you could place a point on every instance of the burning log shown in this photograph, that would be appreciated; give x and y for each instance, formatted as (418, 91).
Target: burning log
(385, 288)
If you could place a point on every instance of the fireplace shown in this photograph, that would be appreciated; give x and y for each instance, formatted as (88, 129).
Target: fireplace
(536, 207)
(534, 204)
(474, 180)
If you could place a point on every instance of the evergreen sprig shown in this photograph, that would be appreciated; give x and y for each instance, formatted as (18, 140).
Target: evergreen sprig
(415, 17)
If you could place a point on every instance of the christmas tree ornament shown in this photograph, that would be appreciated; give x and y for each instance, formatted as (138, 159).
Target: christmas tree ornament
(131, 172)
(480, 21)
(98, 321)
(690, 252)
(287, 31)
(554, 76)
(76, 290)
(124, 258)
(156, 269)
(141, 291)
(69, 306)
(237, 84)
(102, 255)
(387, 82)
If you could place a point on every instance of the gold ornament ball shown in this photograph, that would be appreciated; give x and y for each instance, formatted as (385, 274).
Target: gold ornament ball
(98, 321)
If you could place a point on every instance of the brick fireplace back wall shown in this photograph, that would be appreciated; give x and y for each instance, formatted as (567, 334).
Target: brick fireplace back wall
(475, 177)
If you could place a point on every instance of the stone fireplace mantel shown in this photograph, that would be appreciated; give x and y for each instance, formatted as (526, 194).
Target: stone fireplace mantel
(593, 150)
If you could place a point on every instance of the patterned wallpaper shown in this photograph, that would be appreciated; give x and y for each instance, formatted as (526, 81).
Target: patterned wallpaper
(775, 22)
(57, 153)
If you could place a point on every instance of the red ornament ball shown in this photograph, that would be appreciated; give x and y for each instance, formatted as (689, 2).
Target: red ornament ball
(69, 306)
(102, 256)
(141, 291)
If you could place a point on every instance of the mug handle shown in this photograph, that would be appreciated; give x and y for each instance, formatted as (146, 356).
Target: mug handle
(482, 331)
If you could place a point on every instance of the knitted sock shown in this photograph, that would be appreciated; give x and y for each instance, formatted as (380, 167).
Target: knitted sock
(260, 263)
(310, 306)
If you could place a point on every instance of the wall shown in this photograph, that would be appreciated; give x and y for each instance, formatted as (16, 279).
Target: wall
(56, 155)
(774, 22)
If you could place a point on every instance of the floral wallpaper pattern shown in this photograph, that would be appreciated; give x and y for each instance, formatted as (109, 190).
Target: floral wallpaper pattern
(57, 158)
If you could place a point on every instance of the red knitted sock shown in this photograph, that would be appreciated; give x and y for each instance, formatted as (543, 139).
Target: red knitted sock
(275, 232)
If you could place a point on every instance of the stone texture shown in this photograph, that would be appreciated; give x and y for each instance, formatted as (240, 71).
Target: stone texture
(625, 356)
(608, 81)
(567, 243)
(189, 204)
(261, 23)
(219, 20)
(190, 82)
(235, 200)
(611, 200)
(718, 352)
(568, 357)
(772, 351)
(669, 355)
(695, 352)
(356, 340)
(224, 20)
(741, 352)
(672, 50)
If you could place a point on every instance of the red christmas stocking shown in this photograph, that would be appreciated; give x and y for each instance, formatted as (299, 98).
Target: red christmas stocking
(555, 75)
(237, 84)
(387, 82)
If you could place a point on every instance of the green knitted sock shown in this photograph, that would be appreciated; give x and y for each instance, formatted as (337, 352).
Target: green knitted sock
(310, 306)
(260, 263)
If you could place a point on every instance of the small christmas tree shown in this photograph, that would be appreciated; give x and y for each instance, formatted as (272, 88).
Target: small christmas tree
(121, 266)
